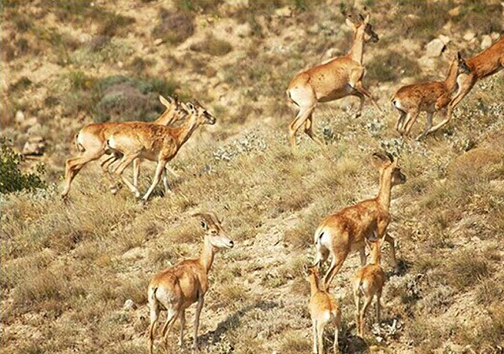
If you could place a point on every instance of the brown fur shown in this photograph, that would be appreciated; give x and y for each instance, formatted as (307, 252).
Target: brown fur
(178, 287)
(346, 230)
(487, 63)
(154, 142)
(323, 309)
(427, 97)
(368, 282)
(91, 144)
(339, 77)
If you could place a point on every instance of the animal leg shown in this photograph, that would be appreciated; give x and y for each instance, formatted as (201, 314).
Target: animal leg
(320, 335)
(361, 103)
(309, 131)
(464, 89)
(74, 165)
(182, 325)
(410, 120)
(154, 313)
(391, 242)
(201, 301)
(362, 253)
(367, 301)
(157, 176)
(126, 160)
(336, 332)
(165, 181)
(302, 116)
(332, 271)
(105, 165)
(136, 171)
(170, 321)
(357, 308)
(314, 325)
(428, 125)
(400, 122)
(355, 81)
(378, 305)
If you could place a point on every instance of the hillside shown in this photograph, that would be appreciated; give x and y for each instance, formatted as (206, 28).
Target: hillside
(68, 268)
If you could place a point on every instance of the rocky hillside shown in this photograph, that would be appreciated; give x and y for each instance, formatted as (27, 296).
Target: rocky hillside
(74, 275)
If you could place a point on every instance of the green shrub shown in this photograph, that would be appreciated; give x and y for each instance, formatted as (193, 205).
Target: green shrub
(11, 177)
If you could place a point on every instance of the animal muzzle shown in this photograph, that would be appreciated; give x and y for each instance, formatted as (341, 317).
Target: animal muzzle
(374, 38)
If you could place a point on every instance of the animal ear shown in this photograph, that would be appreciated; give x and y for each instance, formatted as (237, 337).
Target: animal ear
(305, 268)
(165, 102)
(349, 22)
(365, 19)
(459, 56)
(203, 222)
(378, 159)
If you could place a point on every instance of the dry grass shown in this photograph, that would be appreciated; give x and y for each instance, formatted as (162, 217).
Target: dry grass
(68, 268)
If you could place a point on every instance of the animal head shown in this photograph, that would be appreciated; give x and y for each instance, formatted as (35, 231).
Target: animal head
(203, 116)
(214, 231)
(375, 244)
(311, 270)
(463, 68)
(362, 27)
(386, 164)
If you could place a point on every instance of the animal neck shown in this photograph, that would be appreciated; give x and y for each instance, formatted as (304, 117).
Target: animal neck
(207, 255)
(385, 188)
(451, 79)
(376, 254)
(185, 131)
(166, 117)
(357, 50)
(314, 283)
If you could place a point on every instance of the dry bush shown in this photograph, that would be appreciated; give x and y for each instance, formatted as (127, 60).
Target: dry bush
(390, 67)
(213, 46)
(174, 27)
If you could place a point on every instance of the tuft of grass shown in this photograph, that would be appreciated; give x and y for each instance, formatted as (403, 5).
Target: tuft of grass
(293, 343)
(466, 270)
(213, 46)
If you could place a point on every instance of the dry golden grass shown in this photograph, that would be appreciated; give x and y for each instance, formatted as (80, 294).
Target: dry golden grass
(67, 269)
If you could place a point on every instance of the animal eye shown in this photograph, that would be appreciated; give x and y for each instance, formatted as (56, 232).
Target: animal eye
(213, 232)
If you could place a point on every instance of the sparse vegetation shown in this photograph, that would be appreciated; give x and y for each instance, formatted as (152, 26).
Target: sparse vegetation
(12, 179)
(67, 269)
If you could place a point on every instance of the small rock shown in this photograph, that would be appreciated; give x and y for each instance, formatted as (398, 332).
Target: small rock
(495, 35)
(284, 12)
(20, 117)
(454, 12)
(469, 36)
(444, 39)
(129, 305)
(243, 30)
(158, 41)
(35, 146)
(486, 42)
(434, 48)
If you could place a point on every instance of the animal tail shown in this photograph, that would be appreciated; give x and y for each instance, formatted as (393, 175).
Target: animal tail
(318, 235)
(78, 145)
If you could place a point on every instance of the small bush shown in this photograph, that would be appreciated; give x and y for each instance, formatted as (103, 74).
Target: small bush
(175, 27)
(11, 177)
(213, 46)
(390, 67)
